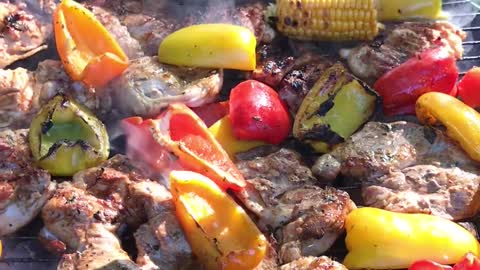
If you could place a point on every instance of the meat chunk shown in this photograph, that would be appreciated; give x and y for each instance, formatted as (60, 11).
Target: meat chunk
(25, 27)
(398, 43)
(147, 87)
(305, 219)
(24, 189)
(24, 92)
(406, 167)
(314, 263)
(291, 76)
(87, 213)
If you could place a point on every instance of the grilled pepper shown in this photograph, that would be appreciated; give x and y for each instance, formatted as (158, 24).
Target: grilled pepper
(219, 231)
(469, 88)
(65, 137)
(210, 46)
(468, 262)
(379, 239)
(462, 122)
(389, 10)
(222, 130)
(432, 71)
(178, 137)
(87, 50)
(336, 107)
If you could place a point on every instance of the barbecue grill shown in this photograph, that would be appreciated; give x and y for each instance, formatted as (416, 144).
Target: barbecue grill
(23, 250)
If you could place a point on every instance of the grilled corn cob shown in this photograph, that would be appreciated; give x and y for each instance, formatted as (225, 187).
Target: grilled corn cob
(336, 20)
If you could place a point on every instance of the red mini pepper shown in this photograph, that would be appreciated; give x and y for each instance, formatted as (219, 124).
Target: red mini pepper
(434, 70)
(258, 113)
(469, 88)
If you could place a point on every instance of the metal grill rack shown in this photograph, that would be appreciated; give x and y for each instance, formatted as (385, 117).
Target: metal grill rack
(22, 251)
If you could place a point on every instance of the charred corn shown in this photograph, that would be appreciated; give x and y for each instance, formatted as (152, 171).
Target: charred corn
(335, 20)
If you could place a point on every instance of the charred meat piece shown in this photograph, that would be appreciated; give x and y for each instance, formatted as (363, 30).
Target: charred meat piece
(24, 189)
(304, 219)
(86, 214)
(406, 167)
(314, 263)
(25, 27)
(23, 93)
(147, 86)
(274, 61)
(398, 43)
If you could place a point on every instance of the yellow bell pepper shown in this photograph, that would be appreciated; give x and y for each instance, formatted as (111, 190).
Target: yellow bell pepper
(223, 132)
(462, 122)
(389, 10)
(379, 239)
(87, 50)
(219, 231)
(210, 46)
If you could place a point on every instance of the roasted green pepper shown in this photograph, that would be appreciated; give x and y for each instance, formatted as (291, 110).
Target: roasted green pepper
(65, 137)
(336, 107)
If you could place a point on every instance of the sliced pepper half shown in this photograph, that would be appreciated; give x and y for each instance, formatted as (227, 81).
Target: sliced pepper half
(179, 136)
(87, 50)
(65, 137)
(210, 46)
(219, 231)
(336, 107)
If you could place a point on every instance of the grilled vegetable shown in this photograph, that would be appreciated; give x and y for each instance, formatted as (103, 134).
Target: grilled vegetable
(222, 130)
(379, 239)
(462, 122)
(179, 137)
(210, 46)
(336, 107)
(433, 70)
(469, 88)
(389, 10)
(327, 20)
(219, 231)
(87, 50)
(258, 113)
(65, 137)
(468, 262)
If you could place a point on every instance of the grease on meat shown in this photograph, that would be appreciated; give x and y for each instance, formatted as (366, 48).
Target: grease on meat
(406, 167)
(24, 189)
(25, 27)
(305, 219)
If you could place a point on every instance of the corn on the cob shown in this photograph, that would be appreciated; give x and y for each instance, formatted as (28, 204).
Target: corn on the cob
(338, 20)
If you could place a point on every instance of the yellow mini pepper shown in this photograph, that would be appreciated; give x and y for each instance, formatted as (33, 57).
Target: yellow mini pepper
(223, 132)
(462, 121)
(87, 50)
(379, 239)
(210, 46)
(219, 231)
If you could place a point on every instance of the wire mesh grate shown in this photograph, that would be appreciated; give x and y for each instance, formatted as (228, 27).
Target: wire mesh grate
(24, 251)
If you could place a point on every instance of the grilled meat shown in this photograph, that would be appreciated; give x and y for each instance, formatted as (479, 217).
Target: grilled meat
(147, 86)
(406, 167)
(102, 199)
(305, 219)
(24, 189)
(23, 93)
(369, 61)
(292, 77)
(25, 27)
(314, 263)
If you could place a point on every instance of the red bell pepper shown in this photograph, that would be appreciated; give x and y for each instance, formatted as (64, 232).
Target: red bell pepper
(434, 70)
(178, 138)
(469, 88)
(468, 262)
(258, 113)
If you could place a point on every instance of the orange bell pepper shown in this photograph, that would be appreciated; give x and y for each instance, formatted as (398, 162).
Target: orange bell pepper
(87, 50)
(179, 136)
(220, 232)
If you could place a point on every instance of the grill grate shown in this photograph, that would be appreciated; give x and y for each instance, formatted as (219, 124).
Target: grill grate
(22, 251)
